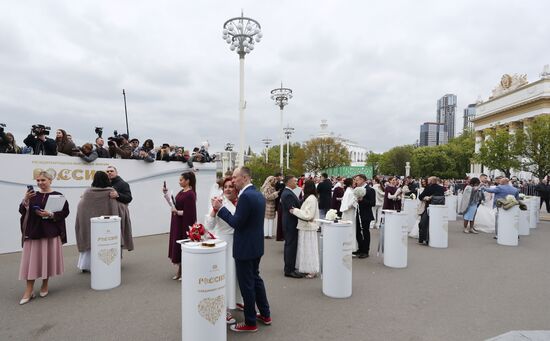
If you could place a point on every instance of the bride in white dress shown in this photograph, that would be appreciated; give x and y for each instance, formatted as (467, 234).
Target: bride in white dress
(349, 205)
(485, 215)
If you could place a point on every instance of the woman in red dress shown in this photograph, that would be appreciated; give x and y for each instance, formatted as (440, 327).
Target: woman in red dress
(184, 214)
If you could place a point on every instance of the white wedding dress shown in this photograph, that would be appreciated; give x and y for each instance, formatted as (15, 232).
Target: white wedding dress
(485, 215)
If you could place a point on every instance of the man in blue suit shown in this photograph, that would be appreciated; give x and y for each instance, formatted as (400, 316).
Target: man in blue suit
(248, 248)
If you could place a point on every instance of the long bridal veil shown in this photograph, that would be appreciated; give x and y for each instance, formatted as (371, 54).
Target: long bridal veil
(485, 215)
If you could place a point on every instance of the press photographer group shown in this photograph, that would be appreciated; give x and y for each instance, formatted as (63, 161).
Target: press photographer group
(119, 146)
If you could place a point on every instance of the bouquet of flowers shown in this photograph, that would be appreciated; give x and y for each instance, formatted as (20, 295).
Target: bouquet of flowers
(411, 196)
(359, 192)
(197, 233)
(331, 215)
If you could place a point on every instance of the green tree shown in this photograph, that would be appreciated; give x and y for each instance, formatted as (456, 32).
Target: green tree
(461, 150)
(536, 141)
(393, 161)
(261, 170)
(427, 161)
(373, 159)
(501, 151)
(324, 152)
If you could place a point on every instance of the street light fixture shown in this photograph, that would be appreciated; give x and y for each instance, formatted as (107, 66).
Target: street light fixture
(267, 142)
(288, 132)
(281, 96)
(241, 33)
(229, 149)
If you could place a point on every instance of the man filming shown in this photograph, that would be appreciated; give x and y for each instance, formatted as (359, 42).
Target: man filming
(119, 147)
(38, 141)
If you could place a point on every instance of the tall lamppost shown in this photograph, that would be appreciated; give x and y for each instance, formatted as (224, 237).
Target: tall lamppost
(288, 132)
(281, 96)
(267, 142)
(229, 149)
(241, 33)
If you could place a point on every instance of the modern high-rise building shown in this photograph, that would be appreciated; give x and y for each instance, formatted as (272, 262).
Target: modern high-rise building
(432, 134)
(469, 114)
(446, 111)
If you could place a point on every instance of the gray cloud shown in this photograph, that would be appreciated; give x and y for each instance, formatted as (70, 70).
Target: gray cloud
(374, 70)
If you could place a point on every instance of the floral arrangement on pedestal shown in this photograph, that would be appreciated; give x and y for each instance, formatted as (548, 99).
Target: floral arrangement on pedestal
(332, 215)
(509, 202)
(197, 233)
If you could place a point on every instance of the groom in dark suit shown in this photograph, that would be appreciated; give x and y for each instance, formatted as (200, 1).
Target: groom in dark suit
(290, 200)
(248, 248)
(364, 216)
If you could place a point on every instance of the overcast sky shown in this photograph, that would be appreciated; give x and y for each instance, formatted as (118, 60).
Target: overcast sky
(374, 70)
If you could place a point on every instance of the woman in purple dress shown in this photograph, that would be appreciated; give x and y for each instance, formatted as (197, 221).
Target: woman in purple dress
(184, 214)
(43, 233)
(392, 199)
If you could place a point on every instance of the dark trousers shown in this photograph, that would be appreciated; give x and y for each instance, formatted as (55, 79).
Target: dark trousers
(252, 289)
(362, 234)
(291, 246)
(547, 202)
(424, 227)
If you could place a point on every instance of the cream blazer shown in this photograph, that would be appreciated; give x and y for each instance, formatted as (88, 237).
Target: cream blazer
(307, 214)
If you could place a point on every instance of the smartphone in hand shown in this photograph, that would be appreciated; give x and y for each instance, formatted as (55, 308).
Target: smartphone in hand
(164, 186)
(30, 188)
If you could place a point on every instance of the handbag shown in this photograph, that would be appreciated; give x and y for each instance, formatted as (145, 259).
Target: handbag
(437, 200)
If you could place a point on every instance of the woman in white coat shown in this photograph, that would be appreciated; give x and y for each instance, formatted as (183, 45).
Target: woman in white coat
(349, 207)
(307, 256)
(222, 230)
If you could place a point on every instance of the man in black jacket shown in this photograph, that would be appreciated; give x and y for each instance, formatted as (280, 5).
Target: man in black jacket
(40, 144)
(432, 190)
(324, 188)
(543, 190)
(101, 151)
(121, 190)
(290, 200)
(364, 216)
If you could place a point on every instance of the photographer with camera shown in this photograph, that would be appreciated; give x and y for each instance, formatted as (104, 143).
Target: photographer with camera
(119, 147)
(64, 144)
(145, 152)
(163, 153)
(7, 142)
(87, 153)
(101, 151)
(182, 156)
(40, 144)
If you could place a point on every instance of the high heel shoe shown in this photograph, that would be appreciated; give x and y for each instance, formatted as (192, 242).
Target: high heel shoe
(26, 300)
(176, 277)
(44, 294)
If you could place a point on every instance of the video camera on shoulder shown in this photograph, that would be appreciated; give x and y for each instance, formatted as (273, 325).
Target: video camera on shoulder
(40, 129)
(114, 139)
(99, 131)
(2, 126)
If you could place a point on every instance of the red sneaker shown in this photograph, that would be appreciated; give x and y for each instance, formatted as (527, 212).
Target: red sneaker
(240, 306)
(265, 320)
(242, 327)
(229, 318)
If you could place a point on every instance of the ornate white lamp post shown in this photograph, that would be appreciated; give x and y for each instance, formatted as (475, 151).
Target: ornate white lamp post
(281, 96)
(267, 142)
(229, 149)
(241, 33)
(288, 132)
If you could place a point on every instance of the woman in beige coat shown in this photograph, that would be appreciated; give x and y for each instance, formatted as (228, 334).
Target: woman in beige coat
(307, 256)
(270, 194)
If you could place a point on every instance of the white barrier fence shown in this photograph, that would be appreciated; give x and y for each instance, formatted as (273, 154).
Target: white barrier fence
(149, 211)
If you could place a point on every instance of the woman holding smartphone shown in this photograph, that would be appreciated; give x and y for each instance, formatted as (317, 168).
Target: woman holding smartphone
(42, 234)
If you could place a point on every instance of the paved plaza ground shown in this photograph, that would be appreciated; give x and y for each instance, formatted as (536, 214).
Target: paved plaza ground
(473, 290)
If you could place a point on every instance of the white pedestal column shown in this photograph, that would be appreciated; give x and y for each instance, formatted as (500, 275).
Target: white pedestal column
(203, 303)
(458, 201)
(533, 208)
(395, 239)
(105, 252)
(439, 226)
(409, 207)
(337, 264)
(451, 203)
(523, 225)
(508, 223)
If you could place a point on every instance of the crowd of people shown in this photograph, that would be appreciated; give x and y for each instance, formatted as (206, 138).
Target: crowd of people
(120, 146)
(43, 232)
